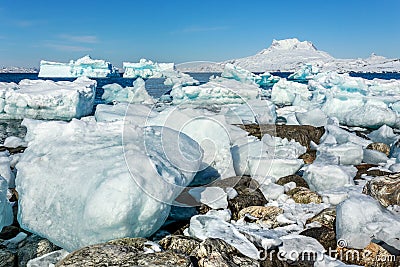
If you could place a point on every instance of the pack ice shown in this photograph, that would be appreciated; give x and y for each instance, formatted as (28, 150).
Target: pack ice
(81, 183)
(45, 99)
(85, 66)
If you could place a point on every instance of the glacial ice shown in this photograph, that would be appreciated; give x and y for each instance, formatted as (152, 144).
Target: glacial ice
(322, 177)
(218, 91)
(287, 92)
(136, 94)
(242, 75)
(84, 66)
(360, 218)
(146, 69)
(305, 73)
(84, 202)
(45, 99)
(6, 213)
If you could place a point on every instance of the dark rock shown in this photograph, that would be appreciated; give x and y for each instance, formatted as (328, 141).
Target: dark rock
(293, 178)
(137, 243)
(304, 195)
(7, 258)
(180, 244)
(326, 218)
(364, 169)
(324, 235)
(381, 147)
(214, 252)
(9, 232)
(246, 197)
(303, 134)
(385, 189)
(32, 247)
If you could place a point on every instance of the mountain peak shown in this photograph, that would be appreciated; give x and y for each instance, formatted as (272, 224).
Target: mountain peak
(289, 45)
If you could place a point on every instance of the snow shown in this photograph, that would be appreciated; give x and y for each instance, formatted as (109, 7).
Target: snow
(218, 91)
(84, 202)
(45, 99)
(146, 69)
(289, 55)
(6, 213)
(136, 94)
(320, 176)
(360, 218)
(85, 66)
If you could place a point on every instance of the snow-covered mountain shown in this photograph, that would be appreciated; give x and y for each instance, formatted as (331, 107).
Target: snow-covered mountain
(291, 54)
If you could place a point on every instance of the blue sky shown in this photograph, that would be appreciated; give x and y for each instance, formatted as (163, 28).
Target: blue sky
(181, 31)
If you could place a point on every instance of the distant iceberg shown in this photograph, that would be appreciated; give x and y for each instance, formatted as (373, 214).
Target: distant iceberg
(242, 75)
(85, 66)
(146, 69)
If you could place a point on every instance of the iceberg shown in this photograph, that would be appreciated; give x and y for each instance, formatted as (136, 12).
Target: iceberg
(242, 75)
(6, 213)
(45, 99)
(218, 91)
(85, 66)
(146, 69)
(305, 73)
(136, 94)
(100, 184)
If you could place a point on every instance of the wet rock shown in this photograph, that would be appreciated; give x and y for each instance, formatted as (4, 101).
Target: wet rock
(262, 214)
(32, 247)
(372, 255)
(293, 178)
(214, 252)
(304, 195)
(7, 258)
(246, 197)
(122, 253)
(9, 232)
(309, 157)
(381, 147)
(323, 235)
(364, 169)
(385, 189)
(180, 244)
(326, 218)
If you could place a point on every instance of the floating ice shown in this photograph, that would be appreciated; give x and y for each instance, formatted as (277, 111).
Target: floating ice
(218, 91)
(242, 75)
(84, 66)
(360, 218)
(127, 194)
(6, 213)
(177, 78)
(146, 69)
(41, 99)
(322, 177)
(305, 73)
(136, 94)
(287, 93)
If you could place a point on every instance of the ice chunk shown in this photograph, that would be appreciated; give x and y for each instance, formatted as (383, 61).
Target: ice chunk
(136, 114)
(136, 94)
(103, 180)
(41, 99)
(6, 213)
(360, 218)
(14, 142)
(272, 191)
(294, 245)
(374, 157)
(203, 226)
(48, 260)
(5, 169)
(177, 78)
(285, 92)
(347, 153)
(322, 177)
(384, 135)
(242, 75)
(218, 91)
(214, 197)
(305, 73)
(315, 117)
(85, 66)
(253, 111)
(336, 135)
(146, 69)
